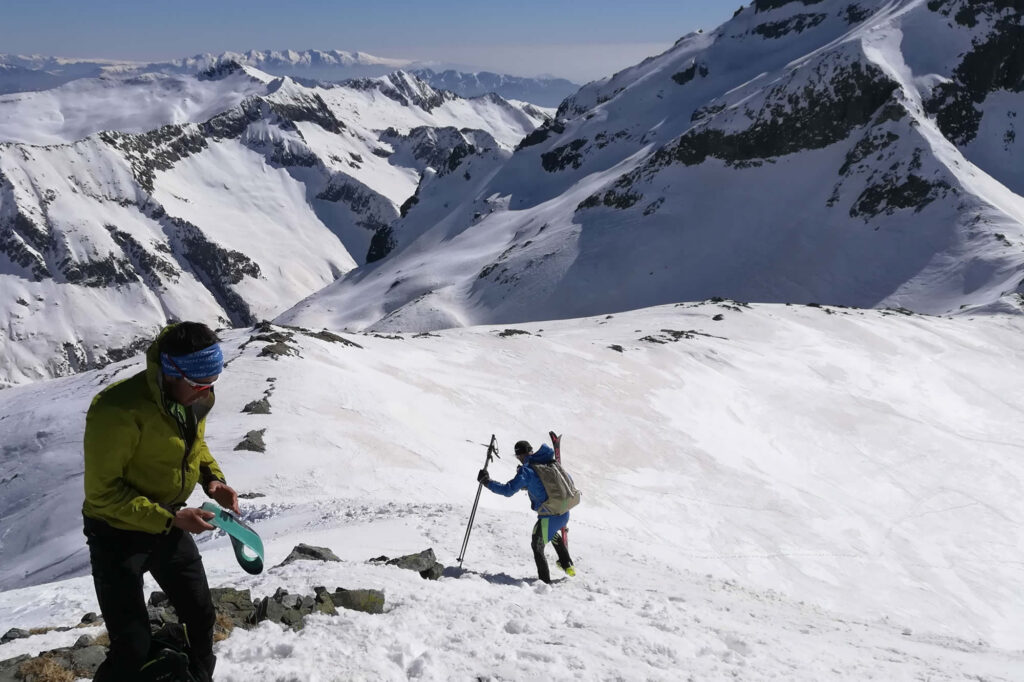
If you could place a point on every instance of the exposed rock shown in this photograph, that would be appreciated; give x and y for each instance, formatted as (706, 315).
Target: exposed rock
(12, 634)
(367, 601)
(290, 610)
(253, 441)
(562, 157)
(91, 617)
(794, 24)
(278, 350)
(88, 659)
(9, 668)
(84, 641)
(995, 63)
(261, 406)
(686, 75)
(425, 563)
(332, 338)
(236, 606)
(303, 552)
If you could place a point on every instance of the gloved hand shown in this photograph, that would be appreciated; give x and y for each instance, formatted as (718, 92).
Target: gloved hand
(483, 477)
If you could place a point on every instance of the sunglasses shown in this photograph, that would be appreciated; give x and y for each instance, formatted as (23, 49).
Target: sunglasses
(196, 385)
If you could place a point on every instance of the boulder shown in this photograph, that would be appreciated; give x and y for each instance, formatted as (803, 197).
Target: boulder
(303, 552)
(425, 563)
(367, 601)
(9, 668)
(234, 605)
(85, 660)
(253, 441)
(261, 406)
(12, 634)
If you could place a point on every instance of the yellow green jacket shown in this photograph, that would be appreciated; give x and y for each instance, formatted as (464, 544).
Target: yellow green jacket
(136, 465)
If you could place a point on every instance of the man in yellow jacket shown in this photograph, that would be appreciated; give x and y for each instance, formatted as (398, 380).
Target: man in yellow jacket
(144, 453)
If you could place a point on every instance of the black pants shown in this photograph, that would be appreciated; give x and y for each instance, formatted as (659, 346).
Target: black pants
(537, 542)
(119, 558)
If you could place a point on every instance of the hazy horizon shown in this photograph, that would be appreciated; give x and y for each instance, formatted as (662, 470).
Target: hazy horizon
(536, 39)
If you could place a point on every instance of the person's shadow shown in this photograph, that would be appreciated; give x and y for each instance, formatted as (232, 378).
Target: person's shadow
(493, 578)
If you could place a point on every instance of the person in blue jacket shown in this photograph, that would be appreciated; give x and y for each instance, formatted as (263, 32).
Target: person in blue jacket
(547, 527)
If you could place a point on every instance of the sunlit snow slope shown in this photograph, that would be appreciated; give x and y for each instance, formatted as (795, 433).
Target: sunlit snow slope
(866, 462)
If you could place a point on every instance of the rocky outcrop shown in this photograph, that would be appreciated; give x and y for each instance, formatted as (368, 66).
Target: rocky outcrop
(303, 552)
(425, 563)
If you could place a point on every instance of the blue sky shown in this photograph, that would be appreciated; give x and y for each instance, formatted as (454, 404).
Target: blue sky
(578, 40)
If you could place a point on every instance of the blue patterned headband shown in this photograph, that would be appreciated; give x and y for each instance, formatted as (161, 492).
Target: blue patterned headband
(203, 363)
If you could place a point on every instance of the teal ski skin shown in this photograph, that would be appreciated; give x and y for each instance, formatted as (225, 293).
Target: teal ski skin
(246, 542)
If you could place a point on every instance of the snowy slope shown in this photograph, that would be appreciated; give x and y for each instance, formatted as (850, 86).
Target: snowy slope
(860, 154)
(84, 107)
(226, 197)
(788, 492)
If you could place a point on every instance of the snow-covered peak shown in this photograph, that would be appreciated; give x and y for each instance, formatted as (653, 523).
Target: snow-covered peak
(863, 154)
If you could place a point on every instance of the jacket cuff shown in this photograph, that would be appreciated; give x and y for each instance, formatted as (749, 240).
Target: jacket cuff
(208, 481)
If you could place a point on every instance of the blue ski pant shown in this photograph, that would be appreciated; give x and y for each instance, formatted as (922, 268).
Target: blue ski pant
(547, 529)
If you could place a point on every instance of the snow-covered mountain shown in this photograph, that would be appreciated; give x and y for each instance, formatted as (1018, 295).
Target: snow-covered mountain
(22, 74)
(769, 492)
(226, 197)
(805, 151)
(545, 92)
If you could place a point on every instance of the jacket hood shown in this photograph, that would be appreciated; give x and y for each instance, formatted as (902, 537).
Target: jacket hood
(545, 455)
(153, 370)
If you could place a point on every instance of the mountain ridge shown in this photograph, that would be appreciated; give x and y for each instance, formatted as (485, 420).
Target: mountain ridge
(790, 155)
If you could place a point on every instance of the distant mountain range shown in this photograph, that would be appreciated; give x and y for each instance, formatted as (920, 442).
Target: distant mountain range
(22, 74)
(860, 154)
(225, 196)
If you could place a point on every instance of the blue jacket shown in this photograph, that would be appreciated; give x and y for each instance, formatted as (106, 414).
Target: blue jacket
(527, 478)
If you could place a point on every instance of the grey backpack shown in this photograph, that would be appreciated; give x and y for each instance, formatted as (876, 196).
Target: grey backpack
(562, 492)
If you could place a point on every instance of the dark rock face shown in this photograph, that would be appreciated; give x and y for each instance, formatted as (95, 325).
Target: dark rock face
(891, 192)
(825, 112)
(546, 130)
(797, 24)
(382, 243)
(220, 70)
(23, 241)
(311, 108)
(994, 64)
(686, 75)
(406, 89)
(768, 5)
(854, 14)
(564, 156)
(826, 108)
(150, 268)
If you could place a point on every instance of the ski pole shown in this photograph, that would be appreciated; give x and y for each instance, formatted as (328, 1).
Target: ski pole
(492, 451)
